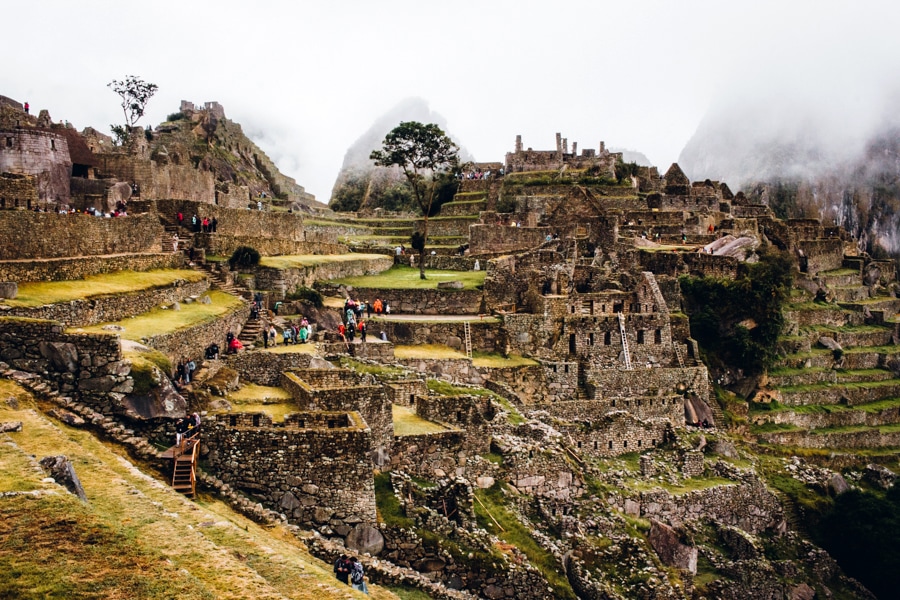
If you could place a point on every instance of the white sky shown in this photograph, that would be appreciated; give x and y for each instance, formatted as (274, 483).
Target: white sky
(305, 79)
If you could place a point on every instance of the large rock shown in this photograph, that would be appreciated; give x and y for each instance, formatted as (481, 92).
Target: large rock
(9, 289)
(63, 357)
(879, 476)
(671, 551)
(837, 484)
(62, 470)
(365, 539)
(11, 427)
(160, 401)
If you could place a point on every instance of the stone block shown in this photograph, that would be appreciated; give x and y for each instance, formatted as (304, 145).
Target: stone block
(9, 289)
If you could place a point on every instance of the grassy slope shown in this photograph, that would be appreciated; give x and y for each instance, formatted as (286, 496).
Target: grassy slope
(159, 321)
(135, 538)
(52, 292)
(309, 260)
(406, 278)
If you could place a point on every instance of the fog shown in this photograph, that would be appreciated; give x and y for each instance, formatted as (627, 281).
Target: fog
(308, 79)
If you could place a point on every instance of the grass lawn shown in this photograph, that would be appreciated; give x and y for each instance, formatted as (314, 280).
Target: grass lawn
(401, 277)
(427, 351)
(250, 393)
(299, 261)
(135, 537)
(407, 422)
(498, 361)
(52, 292)
(159, 321)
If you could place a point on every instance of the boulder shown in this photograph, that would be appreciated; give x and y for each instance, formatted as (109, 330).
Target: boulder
(450, 285)
(63, 357)
(837, 484)
(365, 539)
(665, 541)
(724, 448)
(161, 400)
(803, 592)
(9, 289)
(62, 470)
(11, 427)
(119, 192)
(66, 417)
(831, 344)
(879, 476)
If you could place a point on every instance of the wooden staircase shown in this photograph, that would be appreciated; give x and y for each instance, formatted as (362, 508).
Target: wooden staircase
(184, 475)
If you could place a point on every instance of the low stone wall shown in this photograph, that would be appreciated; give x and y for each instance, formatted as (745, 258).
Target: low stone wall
(78, 267)
(192, 341)
(282, 281)
(871, 438)
(316, 475)
(444, 262)
(649, 382)
(822, 255)
(617, 433)
(224, 245)
(455, 370)
(30, 235)
(266, 368)
(430, 456)
(404, 392)
(486, 335)
(420, 302)
(748, 506)
(844, 418)
(380, 351)
(469, 413)
(492, 238)
(105, 309)
(86, 366)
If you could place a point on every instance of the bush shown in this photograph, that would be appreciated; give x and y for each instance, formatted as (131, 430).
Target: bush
(175, 116)
(244, 256)
(417, 241)
(308, 295)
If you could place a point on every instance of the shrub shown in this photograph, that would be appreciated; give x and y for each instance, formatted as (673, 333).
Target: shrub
(308, 295)
(244, 256)
(175, 116)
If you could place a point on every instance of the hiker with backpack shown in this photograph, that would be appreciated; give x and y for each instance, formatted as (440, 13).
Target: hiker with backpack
(357, 576)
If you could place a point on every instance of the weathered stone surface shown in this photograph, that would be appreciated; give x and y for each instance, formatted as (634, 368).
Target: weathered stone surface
(671, 551)
(10, 426)
(450, 285)
(739, 543)
(9, 289)
(724, 448)
(879, 476)
(67, 417)
(803, 592)
(62, 356)
(365, 539)
(289, 501)
(484, 482)
(830, 343)
(838, 485)
(162, 401)
(62, 470)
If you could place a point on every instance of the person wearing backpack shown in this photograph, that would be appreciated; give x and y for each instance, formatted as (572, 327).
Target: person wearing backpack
(357, 576)
(342, 569)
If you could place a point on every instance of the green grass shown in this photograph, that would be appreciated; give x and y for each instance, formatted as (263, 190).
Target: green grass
(53, 292)
(282, 348)
(407, 422)
(498, 361)
(439, 386)
(401, 277)
(514, 416)
(160, 321)
(390, 511)
(377, 370)
(428, 351)
(299, 261)
(252, 393)
(493, 504)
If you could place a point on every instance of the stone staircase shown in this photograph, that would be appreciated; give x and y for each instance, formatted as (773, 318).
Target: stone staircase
(251, 331)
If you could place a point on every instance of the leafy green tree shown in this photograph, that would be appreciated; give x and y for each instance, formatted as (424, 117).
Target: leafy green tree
(135, 94)
(423, 153)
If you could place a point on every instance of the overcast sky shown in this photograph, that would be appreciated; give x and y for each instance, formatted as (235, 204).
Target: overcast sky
(306, 79)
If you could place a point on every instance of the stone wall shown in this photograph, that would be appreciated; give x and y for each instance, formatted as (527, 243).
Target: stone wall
(869, 438)
(224, 245)
(159, 180)
(266, 368)
(821, 255)
(491, 238)
(252, 224)
(421, 302)
(654, 382)
(377, 351)
(86, 366)
(468, 413)
(404, 391)
(430, 456)
(106, 309)
(314, 468)
(192, 341)
(616, 433)
(29, 235)
(76, 267)
(344, 390)
(486, 336)
(18, 191)
(40, 153)
(456, 370)
(283, 281)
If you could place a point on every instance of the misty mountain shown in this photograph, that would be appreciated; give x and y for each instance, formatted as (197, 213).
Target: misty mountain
(796, 164)
(360, 181)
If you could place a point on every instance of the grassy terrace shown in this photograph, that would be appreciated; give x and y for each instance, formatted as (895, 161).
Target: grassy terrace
(498, 361)
(870, 407)
(427, 351)
(858, 385)
(273, 401)
(407, 422)
(135, 537)
(401, 277)
(53, 292)
(299, 261)
(159, 321)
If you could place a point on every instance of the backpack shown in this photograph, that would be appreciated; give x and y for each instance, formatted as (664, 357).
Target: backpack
(356, 574)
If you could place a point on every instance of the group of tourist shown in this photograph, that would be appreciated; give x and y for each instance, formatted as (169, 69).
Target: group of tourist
(291, 333)
(184, 372)
(479, 174)
(350, 571)
(186, 428)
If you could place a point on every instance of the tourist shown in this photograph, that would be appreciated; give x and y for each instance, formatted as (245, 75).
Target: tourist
(377, 306)
(387, 308)
(175, 242)
(179, 372)
(357, 576)
(180, 218)
(212, 351)
(234, 346)
(286, 335)
(303, 334)
(181, 427)
(362, 331)
(368, 309)
(27, 108)
(478, 264)
(213, 225)
(189, 369)
(259, 205)
(342, 569)
(272, 333)
(342, 329)
(196, 420)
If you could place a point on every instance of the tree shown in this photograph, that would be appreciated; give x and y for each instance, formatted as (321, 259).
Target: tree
(423, 152)
(135, 94)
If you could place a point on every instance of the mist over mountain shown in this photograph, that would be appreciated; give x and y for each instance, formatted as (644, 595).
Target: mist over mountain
(359, 179)
(826, 158)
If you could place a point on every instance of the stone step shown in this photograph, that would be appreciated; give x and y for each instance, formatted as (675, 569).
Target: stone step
(836, 439)
(818, 375)
(850, 293)
(851, 394)
(873, 414)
